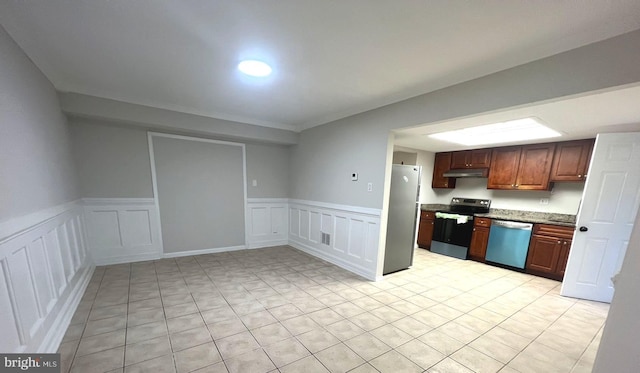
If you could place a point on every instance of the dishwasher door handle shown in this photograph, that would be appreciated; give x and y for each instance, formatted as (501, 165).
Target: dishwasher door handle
(512, 225)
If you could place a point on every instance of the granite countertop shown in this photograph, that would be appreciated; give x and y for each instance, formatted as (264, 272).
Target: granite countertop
(517, 215)
(433, 206)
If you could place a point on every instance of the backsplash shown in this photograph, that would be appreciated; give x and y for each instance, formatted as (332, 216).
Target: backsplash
(563, 199)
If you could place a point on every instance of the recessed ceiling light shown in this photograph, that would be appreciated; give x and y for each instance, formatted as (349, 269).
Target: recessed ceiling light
(255, 68)
(513, 130)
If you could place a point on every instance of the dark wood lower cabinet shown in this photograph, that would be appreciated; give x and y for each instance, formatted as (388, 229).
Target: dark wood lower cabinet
(478, 246)
(549, 250)
(425, 229)
(564, 257)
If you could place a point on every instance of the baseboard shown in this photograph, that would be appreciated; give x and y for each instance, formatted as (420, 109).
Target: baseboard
(258, 245)
(126, 259)
(334, 260)
(52, 340)
(203, 251)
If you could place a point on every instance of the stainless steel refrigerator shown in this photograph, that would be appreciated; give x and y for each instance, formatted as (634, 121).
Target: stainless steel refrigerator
(403, 214)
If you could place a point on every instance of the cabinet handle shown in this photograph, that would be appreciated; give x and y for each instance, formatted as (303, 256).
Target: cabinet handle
(559, 241)
(579, 175)
(517, 185)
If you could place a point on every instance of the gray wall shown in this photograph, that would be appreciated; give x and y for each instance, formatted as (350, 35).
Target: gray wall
(269, 166)
(200, 194)
(36, 166)
(326, 154)
(112, 161)
(407, 158)
(325, 157)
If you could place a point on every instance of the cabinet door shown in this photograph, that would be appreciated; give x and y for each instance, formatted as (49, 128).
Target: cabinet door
(478, 246)
(460, 160)
(571, 160)
(504, 168)
(480, 158)
(441, 165)
(535, 167)
(564, 257)
(544, 253)
(425, 232)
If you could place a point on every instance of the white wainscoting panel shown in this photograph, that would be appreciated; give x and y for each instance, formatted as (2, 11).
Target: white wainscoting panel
(122, 230)
(44, 270)
(353, 234)
(268, 221)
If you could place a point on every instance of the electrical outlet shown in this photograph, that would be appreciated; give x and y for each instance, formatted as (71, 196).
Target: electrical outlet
(369, 187)
(544, 201)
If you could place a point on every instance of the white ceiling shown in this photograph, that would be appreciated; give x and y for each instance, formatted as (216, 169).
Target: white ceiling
(575, 118)
(331, 58)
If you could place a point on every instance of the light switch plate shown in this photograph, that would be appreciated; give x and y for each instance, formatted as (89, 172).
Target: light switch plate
(369, 187)
(354, 176)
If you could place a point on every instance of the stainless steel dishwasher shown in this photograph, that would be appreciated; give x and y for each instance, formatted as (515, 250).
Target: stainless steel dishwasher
(509, 243)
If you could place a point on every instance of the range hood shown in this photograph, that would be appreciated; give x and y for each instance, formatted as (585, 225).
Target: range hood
(479, 172)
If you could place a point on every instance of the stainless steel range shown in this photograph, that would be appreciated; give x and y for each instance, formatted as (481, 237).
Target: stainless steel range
(453, 226)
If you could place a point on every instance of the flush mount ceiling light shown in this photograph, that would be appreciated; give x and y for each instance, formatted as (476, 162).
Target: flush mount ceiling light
(254, 68)
(513, 130)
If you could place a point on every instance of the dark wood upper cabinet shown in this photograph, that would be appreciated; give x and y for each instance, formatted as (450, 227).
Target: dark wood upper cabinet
(521, 167)
(535, 167)
(441, 165)
(571, 160)
(504, 168)
(478, 158)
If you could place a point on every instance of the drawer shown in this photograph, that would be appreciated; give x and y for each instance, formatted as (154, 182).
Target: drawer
(553, 230)
(482, 222)
(427, 215)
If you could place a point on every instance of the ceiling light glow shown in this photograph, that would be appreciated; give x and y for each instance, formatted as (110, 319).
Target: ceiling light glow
(514, 130)
(255, 68)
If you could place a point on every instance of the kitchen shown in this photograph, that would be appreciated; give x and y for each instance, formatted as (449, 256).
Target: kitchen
(539, 182)
(463, 176)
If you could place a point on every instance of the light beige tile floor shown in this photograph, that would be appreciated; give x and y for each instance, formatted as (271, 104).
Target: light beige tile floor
(278, 309)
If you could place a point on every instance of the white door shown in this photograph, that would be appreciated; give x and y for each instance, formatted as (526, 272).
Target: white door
(604, 223)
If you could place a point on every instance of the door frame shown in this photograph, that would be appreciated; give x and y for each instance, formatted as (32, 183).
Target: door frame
(150, 136)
